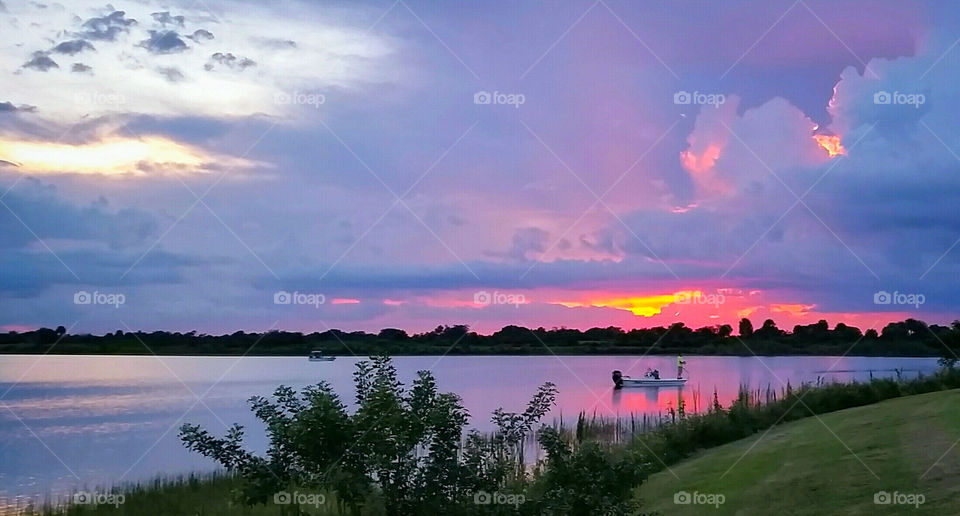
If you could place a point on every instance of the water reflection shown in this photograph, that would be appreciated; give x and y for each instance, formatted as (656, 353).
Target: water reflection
(114, 419)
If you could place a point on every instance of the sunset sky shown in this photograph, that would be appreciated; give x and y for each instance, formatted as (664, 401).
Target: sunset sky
(573, 163)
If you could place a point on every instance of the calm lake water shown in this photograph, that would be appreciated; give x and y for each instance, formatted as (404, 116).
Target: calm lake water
(81, 422)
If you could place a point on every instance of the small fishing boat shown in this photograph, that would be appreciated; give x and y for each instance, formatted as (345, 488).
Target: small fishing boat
(650, 379)
(318, 356)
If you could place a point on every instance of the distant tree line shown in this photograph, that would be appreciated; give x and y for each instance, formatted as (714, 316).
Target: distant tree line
(911, 337)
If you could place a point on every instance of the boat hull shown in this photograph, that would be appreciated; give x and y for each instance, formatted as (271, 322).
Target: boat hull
(649, 382)
(322, 359)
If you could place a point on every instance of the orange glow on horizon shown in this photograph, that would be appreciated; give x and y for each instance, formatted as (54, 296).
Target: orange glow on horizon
(644, 306)
(831, 143)
(792, 309)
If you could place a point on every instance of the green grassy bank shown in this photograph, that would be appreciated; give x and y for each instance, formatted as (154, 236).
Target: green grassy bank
(834, 464)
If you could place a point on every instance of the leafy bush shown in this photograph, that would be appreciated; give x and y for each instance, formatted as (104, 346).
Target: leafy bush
(404, 450)
(590, 478)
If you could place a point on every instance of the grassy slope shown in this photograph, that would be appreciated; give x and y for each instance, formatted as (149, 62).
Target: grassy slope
(210, 497)
(813, 467)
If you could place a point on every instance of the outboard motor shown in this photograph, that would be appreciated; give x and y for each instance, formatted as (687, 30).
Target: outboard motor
(617, 380)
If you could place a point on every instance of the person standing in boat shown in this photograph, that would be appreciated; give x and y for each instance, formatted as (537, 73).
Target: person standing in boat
(680, 363)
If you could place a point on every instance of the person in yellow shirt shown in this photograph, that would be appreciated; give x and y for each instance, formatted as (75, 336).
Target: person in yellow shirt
(680, 363)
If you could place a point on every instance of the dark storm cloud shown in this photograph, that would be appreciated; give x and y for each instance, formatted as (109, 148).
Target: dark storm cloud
(80, 68)
(73, 47)
(200, 35)
(51, 216)
(41, 62)
(107, 28)
(164, 42)
(164, 18)
(230, 61)
(27, 272)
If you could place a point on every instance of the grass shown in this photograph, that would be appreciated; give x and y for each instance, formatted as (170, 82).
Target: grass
(211, 495)
(833, 464)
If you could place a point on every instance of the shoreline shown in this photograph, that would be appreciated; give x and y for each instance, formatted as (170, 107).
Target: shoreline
(477, 355)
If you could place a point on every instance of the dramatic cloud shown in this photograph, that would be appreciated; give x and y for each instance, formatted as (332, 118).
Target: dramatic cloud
(107, 28)
(164, 18)
(41, 62)
(50, 216)
(73, 47)
(164, 42)
(604, 198)
(201, 35)
(230, 61)
(127, 55)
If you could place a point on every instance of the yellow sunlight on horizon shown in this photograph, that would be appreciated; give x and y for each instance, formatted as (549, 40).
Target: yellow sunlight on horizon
(110, 156)
(645, 306)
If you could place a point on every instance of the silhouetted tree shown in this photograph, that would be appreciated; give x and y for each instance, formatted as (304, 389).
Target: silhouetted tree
(768, 330)
(725, 331)
(746, 327)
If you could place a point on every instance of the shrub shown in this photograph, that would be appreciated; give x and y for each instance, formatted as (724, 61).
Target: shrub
(400, 447)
